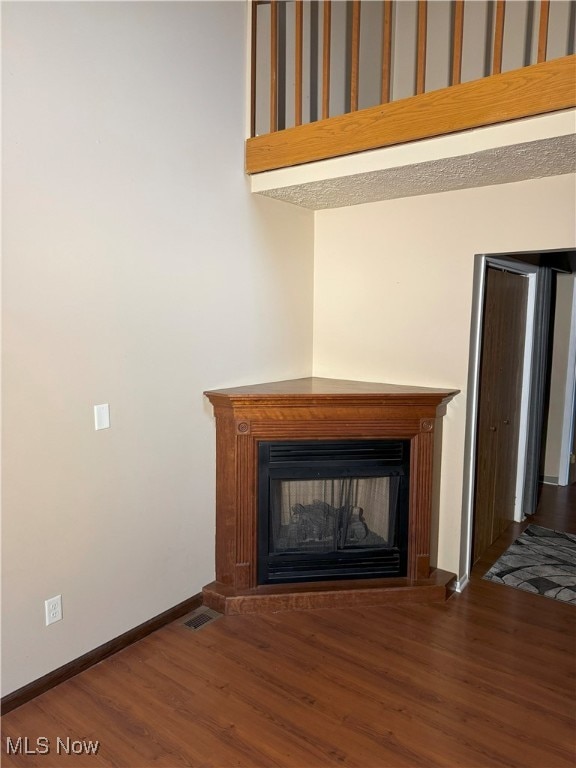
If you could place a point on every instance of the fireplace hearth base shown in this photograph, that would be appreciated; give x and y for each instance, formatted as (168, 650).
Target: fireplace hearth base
(316, 409)
(328, 594)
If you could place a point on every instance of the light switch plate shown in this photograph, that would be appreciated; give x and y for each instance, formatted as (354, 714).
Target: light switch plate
(102, 416)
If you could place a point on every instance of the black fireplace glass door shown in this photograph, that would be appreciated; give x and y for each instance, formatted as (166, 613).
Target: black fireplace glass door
(332, 510)
(332, 514)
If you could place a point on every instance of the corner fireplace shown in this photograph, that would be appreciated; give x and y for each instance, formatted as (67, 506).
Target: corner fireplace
(324, 495)
(332, 510)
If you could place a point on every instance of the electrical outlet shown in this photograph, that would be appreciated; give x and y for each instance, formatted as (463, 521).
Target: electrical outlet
(53, 609)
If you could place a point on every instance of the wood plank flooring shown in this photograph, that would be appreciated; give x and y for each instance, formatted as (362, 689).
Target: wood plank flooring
(487, 679)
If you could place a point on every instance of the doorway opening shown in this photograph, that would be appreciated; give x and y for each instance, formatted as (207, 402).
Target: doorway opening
(522, 390)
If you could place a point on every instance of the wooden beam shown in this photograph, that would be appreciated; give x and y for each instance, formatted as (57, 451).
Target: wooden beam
(298, 8)
(326, 40)
(543, 30)
(534, 90)
(355, 56)
(273, 66)
(421, 46)
(457, 35)
(498, 37)
(253, 62)
(386, 52)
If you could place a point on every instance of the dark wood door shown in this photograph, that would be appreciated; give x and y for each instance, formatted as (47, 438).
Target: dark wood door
(501, 365)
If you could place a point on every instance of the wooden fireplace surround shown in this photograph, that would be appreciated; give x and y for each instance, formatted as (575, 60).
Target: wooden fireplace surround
(308, 409)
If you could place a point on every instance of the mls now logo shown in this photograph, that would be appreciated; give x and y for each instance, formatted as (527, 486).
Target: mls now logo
(25, 746)
(42, 746)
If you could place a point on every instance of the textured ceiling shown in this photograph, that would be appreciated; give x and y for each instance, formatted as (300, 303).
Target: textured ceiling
(518, 162)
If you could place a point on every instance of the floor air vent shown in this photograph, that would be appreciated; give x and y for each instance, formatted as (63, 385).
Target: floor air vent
(200, 617)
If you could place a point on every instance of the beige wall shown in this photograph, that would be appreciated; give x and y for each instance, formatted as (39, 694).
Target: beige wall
(138, 271)
(393, 295)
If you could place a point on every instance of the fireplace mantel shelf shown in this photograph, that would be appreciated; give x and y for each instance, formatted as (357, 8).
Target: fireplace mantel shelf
(317, 409)
(315, 390)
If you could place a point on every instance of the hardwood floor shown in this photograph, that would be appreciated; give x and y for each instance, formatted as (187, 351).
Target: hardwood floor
(487, 679)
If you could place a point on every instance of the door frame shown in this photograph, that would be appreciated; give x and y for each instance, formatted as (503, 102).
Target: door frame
(481, 264)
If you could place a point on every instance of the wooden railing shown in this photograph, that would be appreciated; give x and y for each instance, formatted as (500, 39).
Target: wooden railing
(333, 78)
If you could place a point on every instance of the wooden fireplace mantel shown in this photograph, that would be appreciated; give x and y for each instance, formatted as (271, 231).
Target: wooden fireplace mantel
(308, 409)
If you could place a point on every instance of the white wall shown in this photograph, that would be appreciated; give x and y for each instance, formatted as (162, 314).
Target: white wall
(138, 271)
(393, 295)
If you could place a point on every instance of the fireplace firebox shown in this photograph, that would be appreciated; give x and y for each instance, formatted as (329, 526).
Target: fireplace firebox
(332, 510)
(324, 495)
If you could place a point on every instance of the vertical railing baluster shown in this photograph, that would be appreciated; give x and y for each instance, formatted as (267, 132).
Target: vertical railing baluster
(543, 30)
(273, 66)
(326, 40)
(498, 37)
(421, 46)
(386, 51)
(355, 56)
(457, 36)
(496, 19)
(254, 33)
(299, 18)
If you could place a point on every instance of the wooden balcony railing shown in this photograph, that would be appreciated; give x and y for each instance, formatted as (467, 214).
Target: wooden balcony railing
(334, 78)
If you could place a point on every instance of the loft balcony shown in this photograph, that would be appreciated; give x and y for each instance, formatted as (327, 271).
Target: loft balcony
(333, 79)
